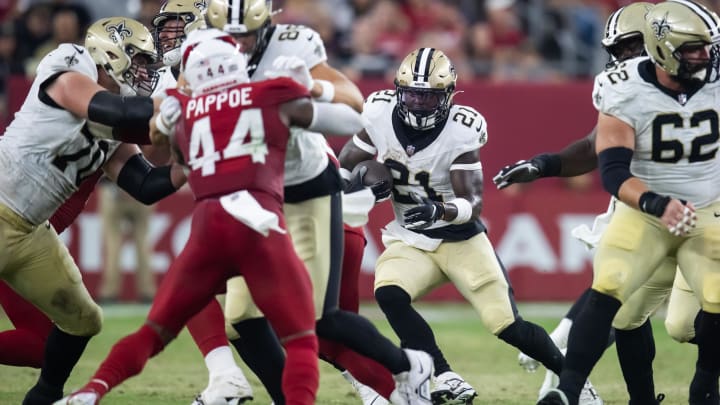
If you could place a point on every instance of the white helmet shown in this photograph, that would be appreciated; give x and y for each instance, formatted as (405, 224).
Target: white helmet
(214, 65)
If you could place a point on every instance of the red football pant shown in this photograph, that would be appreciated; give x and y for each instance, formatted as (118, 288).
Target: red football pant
(25, 345)
(220, 247)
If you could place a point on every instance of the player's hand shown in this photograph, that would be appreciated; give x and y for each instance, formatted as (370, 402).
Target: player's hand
(381, 189)
(292, 67)
(425, 214)
(170, 110)
(679, 218)
(524, 171)
(356, 182)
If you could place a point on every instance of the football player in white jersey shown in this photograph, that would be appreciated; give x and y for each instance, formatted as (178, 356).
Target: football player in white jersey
(657, 140)
(312, 208)
(431, 146)
(623, 39)
(45, 154)
(226, 381)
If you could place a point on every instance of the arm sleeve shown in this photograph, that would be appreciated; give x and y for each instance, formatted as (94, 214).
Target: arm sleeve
(335, 119)
(144, 182)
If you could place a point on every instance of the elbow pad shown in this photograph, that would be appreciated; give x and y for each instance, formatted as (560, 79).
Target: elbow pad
(144, 182)
(121, 111)
(335, 119)
(614, 166)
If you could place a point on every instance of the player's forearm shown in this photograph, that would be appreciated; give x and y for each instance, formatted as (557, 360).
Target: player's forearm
(149, 184)
(578, 158)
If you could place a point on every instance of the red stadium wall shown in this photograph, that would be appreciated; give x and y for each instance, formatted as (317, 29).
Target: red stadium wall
(530, 228)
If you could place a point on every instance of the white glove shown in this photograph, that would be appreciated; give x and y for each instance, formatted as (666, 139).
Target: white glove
(292, 67)
(170, 111)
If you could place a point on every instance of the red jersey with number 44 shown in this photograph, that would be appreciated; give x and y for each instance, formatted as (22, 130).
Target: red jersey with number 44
(234, 139)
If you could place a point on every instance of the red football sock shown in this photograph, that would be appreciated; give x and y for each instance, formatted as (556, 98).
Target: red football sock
(300, 378)
(20, 347)
(207, 328)
(367, 371)
(126, 359)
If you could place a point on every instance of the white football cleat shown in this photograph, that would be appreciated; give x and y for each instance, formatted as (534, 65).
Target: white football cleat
(227, 388)
(79, 398)
(551, 382)
(528, 363)
(367, 394)
(450, 388)
(412, 387)
(589, 396)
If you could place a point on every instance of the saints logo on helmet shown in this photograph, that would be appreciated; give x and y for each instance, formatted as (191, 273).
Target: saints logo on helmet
(623, 38)
(242, 18)
(174, 21)
(123, 47)
(677, 27)
(425, 84)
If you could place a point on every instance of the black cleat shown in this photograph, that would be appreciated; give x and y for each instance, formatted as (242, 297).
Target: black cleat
(554, 397)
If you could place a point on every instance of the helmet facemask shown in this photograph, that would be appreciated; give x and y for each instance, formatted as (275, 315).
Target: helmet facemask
(422, 108)
(626, 48)
(140, 77)
(701, 67)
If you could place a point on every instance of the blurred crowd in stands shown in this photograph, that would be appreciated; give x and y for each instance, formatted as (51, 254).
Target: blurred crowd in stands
(494, 40)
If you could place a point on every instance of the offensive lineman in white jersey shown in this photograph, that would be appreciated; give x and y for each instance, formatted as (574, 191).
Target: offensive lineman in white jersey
(657, 141)
(313, 212)
(45, 153)
(226, 381)
(431, 147)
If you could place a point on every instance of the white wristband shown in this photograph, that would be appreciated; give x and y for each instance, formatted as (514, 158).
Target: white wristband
(161, 126)
(464, 210)
(328, 91)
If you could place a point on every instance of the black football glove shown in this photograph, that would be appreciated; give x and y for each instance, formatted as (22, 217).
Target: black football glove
(524, 171)
(381, 189)
(425, 214)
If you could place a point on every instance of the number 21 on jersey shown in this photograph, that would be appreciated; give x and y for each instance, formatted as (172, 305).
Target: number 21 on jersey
(203, 152)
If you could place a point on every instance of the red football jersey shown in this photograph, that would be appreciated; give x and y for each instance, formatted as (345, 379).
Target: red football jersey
(234, 139)
(66, 214)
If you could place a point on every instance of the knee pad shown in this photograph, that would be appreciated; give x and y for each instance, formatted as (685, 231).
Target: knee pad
(611, 276)
(679, 331)
(88, 324)
(392, 295)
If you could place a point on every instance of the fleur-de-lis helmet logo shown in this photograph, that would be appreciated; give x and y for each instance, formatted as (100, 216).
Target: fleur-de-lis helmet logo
(118, 32)
(661, 27)
(200, 5)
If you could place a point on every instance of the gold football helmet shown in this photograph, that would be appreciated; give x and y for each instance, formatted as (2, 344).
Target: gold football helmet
(123, 47)
(425, 85)
(242, 18)
(173, 22)
(675, 26)
(623, 38)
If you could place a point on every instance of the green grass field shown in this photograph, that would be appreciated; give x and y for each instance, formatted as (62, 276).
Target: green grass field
(489, 364)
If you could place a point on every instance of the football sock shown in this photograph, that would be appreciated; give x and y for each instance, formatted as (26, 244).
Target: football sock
(62, 352)
(207, 328)
(636, 351)
(535, 342)
(577, 306)
(300, 378)
(361, 336)
(696, 324)
(409, 325)
(126, 359)
(587, 342)
(260, 349)
(220, 359)
(363, 369)
(704, 386)
(22, 348)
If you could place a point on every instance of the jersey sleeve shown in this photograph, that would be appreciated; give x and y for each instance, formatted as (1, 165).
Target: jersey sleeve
(376, 112)
(280, 90)
(67, 58)
(612, 95)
